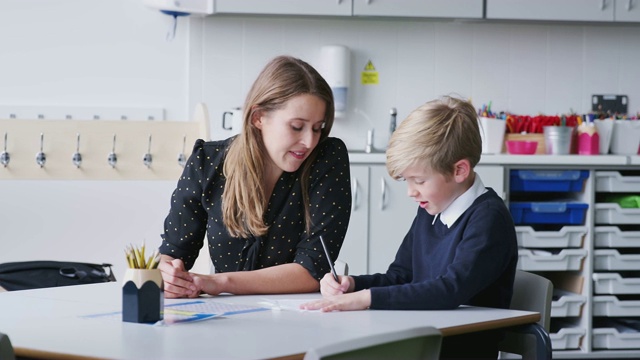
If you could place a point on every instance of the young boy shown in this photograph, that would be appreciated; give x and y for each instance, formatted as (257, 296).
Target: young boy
(461, 248)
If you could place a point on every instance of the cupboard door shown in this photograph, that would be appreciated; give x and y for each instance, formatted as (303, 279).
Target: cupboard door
(355, 247)
(419, 8)
(390, 216)
(492, 176)
(565, 10)
(284, 7)
(627, 10)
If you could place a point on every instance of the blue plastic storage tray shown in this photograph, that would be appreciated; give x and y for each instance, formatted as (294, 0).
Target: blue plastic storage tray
(548, 213)
(548, 180)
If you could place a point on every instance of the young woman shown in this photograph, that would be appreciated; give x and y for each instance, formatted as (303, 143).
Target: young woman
(264, 196)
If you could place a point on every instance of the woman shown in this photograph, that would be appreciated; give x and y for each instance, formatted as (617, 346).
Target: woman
(265, 196)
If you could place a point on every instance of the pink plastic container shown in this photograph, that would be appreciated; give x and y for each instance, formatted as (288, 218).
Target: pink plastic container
(521, 147)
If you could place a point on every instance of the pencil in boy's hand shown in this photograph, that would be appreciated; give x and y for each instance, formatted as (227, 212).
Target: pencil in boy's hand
(326, 253)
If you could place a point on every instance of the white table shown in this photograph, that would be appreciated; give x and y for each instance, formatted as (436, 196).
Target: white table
(47, 323)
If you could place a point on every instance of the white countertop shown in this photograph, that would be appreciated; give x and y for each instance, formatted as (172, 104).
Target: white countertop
(359, 157)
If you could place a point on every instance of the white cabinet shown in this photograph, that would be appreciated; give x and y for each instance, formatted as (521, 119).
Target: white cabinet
(284, 7)
(627, 10)
(419, 8)
(390, 8)
(391, 213)
(565, 10)
(381, 215)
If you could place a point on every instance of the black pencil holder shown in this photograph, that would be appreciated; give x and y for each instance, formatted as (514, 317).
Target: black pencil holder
(142, 296)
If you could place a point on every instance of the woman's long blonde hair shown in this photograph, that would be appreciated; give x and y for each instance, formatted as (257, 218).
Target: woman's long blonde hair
(243, 201)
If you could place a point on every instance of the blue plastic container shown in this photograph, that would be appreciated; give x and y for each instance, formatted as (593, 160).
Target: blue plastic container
(567, 213)
(548, 180)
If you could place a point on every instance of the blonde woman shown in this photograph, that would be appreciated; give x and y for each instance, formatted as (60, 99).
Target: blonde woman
(264, 196)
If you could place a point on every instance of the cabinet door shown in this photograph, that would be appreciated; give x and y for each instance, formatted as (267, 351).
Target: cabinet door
(419, 8)
(627, 10)
(355, 247)
(391, 213)
(492, 176)
(565, 10)
(284, 7)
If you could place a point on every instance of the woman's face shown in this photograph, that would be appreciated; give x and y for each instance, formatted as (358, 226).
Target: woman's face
(292, 132)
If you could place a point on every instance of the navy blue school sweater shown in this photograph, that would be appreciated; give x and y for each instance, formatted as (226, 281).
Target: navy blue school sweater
(436, 267)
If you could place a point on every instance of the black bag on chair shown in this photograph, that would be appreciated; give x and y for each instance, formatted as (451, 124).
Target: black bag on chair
(41, 274)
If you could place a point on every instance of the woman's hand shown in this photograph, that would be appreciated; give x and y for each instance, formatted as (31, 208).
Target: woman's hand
(360, 300)
(329, 287)
(178, 282)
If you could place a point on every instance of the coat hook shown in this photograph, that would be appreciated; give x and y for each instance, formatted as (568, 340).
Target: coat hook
(4, 156)
(147, 159)
(113, 158)
(182, 159)
(41, 157)
(77, 157)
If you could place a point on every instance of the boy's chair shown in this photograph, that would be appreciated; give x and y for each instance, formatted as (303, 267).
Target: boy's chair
(416, 343)
(6, 350)
(531, 292)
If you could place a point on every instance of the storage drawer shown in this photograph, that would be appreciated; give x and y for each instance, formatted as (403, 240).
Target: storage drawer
(612, 306)
(613, 181)
(611, 213)
(611, 259)
(548, 180)
(565, 260)
(568, 305)
(611, 338)
(567, 338)
(614, 283)
(612, 236)
(548, 213)
(567, 237)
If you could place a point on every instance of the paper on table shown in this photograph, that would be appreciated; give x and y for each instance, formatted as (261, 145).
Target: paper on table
(190, 311)
(285, 304)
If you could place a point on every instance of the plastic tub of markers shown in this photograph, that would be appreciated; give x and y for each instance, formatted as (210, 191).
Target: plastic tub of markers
(548, 180)
(568, 213)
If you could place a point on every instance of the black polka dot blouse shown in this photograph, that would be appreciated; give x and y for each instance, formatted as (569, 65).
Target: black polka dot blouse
(196, 210)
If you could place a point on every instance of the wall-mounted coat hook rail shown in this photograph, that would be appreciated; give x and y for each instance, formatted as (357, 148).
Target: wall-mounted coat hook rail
(125, 139)
(4, 156)
(41, 157)
(76, 158)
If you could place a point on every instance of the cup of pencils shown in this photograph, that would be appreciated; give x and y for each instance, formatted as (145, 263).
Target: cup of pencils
(142, 292)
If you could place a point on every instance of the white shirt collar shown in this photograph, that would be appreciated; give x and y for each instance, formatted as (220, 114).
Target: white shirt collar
(449, 215)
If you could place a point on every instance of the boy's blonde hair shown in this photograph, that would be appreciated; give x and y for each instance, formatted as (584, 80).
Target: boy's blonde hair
(437, 134)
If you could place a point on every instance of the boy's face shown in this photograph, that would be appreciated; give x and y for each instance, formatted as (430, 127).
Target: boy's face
(433, 190)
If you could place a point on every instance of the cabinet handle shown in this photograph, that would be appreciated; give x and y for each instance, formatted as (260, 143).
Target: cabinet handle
(629, 3)
(383, 194)
(603, 4)
(355, 194)
(368, 2)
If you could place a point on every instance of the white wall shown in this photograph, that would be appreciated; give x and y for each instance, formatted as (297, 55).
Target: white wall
(521, 68)
(113, 53)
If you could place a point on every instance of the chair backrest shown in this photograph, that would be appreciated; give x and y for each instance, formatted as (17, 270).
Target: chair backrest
(533, 292)
(6, 350)
(416, 343)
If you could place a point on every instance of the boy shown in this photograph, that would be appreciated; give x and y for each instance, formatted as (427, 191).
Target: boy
(461, 248)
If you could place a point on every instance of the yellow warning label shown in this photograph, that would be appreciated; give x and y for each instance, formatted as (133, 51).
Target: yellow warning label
(369, 76)
(369, 66)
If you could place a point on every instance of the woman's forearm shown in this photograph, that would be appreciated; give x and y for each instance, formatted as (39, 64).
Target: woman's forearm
(280, 279)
